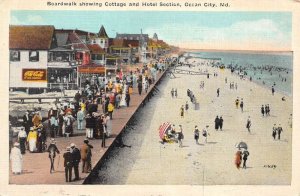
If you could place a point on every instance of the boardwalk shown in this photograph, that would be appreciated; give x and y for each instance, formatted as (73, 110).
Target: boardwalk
(36, 166)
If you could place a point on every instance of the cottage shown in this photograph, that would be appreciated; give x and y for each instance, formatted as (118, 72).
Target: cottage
(28, 48)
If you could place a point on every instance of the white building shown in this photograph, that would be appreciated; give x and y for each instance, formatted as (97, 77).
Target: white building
(101, 39)
(28, 47)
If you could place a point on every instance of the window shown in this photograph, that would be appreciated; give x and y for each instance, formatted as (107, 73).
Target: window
(14, 55)
(93, 57)
(101, 41)
(33, 56)
(96, 57)
(50, 56)
(99, 57)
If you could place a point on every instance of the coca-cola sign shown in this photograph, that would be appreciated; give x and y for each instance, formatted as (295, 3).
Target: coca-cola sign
(34, 74)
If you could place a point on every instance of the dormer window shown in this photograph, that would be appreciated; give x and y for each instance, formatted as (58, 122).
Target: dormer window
(33, 56)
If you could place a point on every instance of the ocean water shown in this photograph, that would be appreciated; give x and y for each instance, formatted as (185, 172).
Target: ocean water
(265, 68)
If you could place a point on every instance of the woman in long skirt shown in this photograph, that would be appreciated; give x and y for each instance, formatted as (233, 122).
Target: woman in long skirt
(31, 139)
(123, 101)
(108, 125)
(16, 159)
(238, 159)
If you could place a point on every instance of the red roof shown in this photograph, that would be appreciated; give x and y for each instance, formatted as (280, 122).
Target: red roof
(123, 43)
(118, 43)
(95, 48)
(133, 43)
(37, 37)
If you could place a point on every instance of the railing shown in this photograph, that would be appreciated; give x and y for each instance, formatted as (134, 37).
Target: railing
(22, 99)
(62, 63)
(65, 86)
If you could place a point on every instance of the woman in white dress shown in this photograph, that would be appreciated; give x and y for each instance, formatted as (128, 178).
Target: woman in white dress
(108, 125)
(123, 101)
(16, 159)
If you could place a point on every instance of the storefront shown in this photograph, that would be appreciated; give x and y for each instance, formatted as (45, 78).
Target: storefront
(62, 69)
(91, 74)
(62, 77)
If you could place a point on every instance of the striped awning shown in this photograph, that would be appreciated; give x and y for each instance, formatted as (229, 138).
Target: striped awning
(163, 128)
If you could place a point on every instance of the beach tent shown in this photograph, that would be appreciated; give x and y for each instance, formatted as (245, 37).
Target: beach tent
(163, 128)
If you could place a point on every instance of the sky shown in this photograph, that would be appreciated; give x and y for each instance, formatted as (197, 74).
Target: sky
(194, 30)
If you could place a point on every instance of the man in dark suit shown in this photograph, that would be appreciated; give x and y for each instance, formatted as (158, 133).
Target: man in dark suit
(279, 130)
(217, 123)
(245, 157)
(221, 123)
(127, 98)
(68, 163)
(52, 149)
(76, 159)
(27, 121)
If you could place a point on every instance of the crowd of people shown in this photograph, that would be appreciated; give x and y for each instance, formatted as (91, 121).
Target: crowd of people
(91, 110)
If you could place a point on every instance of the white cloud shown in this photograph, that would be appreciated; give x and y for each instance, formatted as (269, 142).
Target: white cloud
(14, 20)
(29, 20)
(34, 19)
(260, 35)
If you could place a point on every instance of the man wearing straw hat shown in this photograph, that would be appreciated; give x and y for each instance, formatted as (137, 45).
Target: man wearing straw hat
(86, 156)
(52, 149)
(22, 139)
(16, 159)
(69, 119)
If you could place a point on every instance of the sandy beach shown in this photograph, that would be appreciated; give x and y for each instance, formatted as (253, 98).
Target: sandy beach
(150, 162)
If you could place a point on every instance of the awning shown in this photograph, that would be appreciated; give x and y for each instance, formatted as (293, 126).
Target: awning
(89, 69)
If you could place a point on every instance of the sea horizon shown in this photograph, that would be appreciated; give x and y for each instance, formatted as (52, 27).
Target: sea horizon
(274, 52)
(265, 68)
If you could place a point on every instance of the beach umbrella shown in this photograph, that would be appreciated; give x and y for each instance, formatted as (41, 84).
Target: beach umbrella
(163, 128)
(242, 145)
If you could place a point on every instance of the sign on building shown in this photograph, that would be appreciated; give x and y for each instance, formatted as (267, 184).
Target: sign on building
(37, 75)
